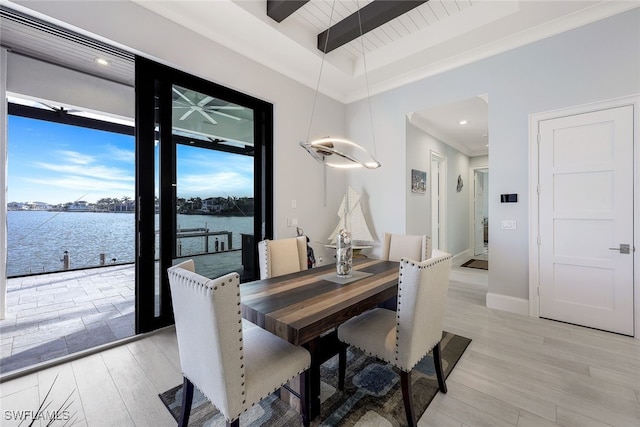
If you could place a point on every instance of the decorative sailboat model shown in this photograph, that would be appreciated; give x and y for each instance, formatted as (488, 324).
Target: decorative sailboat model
(351, 233)
(352, 219)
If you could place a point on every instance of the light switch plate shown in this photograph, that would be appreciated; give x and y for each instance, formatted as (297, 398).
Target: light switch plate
(508, 224)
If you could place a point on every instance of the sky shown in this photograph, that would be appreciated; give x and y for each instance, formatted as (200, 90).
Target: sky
(55, 163)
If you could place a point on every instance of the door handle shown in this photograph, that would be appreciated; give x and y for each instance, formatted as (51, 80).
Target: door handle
(624, 248)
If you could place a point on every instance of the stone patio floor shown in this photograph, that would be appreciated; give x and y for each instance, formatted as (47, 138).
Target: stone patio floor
(57, 314)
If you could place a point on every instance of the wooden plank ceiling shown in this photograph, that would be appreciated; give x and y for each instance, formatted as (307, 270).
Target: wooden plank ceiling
(360, 22)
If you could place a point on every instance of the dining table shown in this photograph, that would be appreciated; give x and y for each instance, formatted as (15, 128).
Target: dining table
(305, 308)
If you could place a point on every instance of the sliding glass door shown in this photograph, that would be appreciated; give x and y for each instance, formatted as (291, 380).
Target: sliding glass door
(204, 182)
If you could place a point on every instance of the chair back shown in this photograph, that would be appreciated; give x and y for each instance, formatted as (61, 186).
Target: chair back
(396, 246)
(282, 256)
(209, 331)
(422, 296)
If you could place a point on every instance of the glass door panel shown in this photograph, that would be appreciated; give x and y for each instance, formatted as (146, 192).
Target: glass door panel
(214, 180)
(204, 174)
(214, 208)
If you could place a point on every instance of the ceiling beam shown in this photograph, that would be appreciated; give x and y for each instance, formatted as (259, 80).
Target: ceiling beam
(373, 15)
(278, 10)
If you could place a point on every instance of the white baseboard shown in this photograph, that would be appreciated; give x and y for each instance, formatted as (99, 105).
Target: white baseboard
(507, 303)
(462, 256)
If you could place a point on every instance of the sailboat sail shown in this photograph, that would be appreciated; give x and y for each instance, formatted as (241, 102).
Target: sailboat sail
(352, 219)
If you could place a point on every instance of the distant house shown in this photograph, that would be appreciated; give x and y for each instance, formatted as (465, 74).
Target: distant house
(36, 206)
(125, 206)
(79, 206)
(213, 204)
(28, 206)
(15, 206)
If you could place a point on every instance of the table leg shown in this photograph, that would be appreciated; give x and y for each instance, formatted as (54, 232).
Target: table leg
(322, 348)
(314, 377)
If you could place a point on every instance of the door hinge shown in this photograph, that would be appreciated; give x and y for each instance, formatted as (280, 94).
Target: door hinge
(538, 290)
(538, 138)
(538, 240)
(538, 189)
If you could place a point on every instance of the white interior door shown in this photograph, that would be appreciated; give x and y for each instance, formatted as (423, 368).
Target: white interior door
(586, 218)
(435, 203)
(479, 212)
(438, 201)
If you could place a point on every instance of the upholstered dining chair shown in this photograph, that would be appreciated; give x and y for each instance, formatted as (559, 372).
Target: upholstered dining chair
(396, 246)
(282, 256)
(402, 338)
(234, 367)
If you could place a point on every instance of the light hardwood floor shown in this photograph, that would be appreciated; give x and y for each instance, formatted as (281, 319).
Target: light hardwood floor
(516, 372)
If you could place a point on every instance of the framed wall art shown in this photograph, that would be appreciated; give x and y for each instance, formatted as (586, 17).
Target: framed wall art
(418, 181)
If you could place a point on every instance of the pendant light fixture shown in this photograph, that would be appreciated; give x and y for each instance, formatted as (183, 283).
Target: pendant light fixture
(340, 152)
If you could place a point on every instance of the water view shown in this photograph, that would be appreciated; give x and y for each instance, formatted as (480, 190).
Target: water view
(37, 240)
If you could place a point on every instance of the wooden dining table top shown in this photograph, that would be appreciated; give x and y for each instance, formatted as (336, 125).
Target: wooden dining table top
(301, 306)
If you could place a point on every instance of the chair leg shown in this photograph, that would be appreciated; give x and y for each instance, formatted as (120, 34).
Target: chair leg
(305, 393)
(342, 365)
(187, 399)
(407, 396)
(234, 423)
(437, 361)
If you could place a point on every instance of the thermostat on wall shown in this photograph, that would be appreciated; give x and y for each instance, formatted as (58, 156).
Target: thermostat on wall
(508, 198)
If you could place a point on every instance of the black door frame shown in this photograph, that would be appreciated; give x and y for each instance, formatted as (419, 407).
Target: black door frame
(154, 83)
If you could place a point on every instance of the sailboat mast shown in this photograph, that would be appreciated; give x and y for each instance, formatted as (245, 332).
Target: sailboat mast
(346, 209)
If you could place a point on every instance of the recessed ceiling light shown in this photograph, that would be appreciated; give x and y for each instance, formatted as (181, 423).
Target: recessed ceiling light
(463, 122)
(102, 61)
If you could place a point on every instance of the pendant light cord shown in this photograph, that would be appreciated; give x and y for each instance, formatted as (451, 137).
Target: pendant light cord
(366, 81)
(324, 53)
(324, 147)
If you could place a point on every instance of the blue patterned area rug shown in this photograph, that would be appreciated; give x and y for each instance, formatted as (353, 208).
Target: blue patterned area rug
(372, 394)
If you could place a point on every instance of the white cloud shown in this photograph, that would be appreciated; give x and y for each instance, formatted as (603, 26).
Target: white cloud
(220, 184)
(83, 188)
(104, 172)
(76, 157)
(120, 154)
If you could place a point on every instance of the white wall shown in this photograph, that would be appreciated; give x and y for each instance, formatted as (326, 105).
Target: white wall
(418, 213)
(419, 146)
(594, 62)
(297, 176)
(479, 162)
